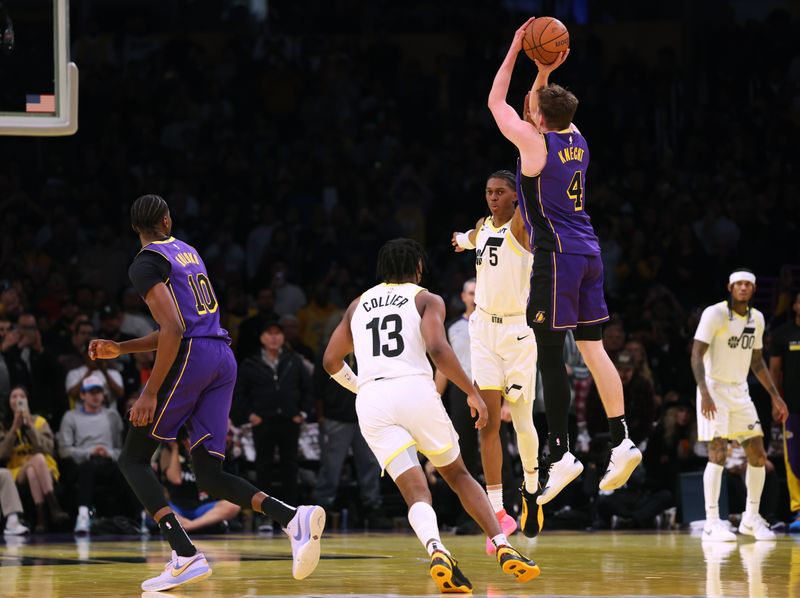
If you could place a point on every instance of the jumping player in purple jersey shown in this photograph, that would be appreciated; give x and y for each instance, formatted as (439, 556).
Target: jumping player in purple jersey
(567, 278)
(191, 385)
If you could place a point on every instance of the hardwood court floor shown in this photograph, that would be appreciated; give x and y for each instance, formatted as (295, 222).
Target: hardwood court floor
(573, 564)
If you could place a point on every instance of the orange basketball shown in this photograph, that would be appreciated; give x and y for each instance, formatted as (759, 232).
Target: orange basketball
(544, 39)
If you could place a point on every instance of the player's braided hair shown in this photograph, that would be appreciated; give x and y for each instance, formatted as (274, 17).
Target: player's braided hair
(399, 260)
(146, 212)
(506, 175)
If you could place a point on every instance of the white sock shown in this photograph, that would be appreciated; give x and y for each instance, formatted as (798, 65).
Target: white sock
(83, 511)
(527, 441)
(712, 482)
(754, 480)
(499, 540)
(422, 518)
(495, 494)
(12, 520)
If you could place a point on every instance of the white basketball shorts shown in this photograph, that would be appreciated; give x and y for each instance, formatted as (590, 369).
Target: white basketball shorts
(736, 417)
(397, 413)
(503, 355)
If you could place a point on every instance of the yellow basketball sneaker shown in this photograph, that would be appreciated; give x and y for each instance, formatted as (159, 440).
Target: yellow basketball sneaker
(513, 563)
(531, 520)
(447, 575)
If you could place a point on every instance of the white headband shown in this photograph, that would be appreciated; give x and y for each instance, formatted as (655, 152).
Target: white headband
(740, 276)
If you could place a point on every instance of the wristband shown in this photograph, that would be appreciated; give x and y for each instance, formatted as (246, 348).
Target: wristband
(347, 378)
(462, 239)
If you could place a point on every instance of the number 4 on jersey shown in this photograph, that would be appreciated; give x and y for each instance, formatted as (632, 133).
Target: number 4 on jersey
(575, 190)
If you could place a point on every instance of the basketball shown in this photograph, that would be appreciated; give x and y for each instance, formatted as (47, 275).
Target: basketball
(544, 39)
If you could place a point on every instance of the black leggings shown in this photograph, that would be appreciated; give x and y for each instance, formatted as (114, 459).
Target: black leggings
(134, 462)
(555, 388)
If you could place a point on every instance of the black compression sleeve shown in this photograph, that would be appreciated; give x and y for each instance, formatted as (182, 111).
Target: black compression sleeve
(147, 270)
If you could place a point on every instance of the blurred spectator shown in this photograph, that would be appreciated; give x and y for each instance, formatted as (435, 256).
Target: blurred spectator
(60, 332)
(26, 443)
(313, 317)
(671, 448)
(89, 442)
(113, 384)
(5, 377)
(225, 256)
(73, 354)
(32, 366)
(273, 393)
(613, 338)
(251, 328)
(291, 330)
(10, 505)
(11, 305)
(640, 405)
(289, 297)
(259, 238)
(194, 509)
(110, 328)
(134, 323)
(634, 506)
(339, 434)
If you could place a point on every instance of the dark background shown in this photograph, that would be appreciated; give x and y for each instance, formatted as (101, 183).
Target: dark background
(310, 134)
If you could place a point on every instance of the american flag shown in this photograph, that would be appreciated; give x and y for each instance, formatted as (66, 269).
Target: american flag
(40, 103)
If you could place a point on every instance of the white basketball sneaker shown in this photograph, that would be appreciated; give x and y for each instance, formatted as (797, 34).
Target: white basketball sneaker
(754, 525)
(180, 570)
(715, 530)
(625, 457)
(305, 531)
(562, 472)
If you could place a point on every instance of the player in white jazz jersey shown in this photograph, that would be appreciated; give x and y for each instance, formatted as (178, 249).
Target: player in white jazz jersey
(727, 345)
(390, 328)
(502, 345)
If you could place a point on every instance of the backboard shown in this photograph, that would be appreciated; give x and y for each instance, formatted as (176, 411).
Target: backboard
(39, 89)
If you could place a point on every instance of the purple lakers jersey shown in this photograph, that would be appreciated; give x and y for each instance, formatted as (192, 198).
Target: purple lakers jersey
(191, 289)
(553, 204)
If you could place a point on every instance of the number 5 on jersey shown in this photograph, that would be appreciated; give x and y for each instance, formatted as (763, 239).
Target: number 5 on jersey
(393, 325)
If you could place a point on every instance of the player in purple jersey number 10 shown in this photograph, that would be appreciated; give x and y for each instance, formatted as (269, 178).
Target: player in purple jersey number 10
(191, 385)
(567, 278)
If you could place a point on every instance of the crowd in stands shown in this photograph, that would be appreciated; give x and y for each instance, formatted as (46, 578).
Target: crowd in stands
(288, 155)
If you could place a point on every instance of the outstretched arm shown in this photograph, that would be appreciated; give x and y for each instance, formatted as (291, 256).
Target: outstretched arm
(467, 240)
(515, 129)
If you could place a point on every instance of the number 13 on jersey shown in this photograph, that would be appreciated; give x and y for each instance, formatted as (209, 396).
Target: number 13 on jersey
(393, 324)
